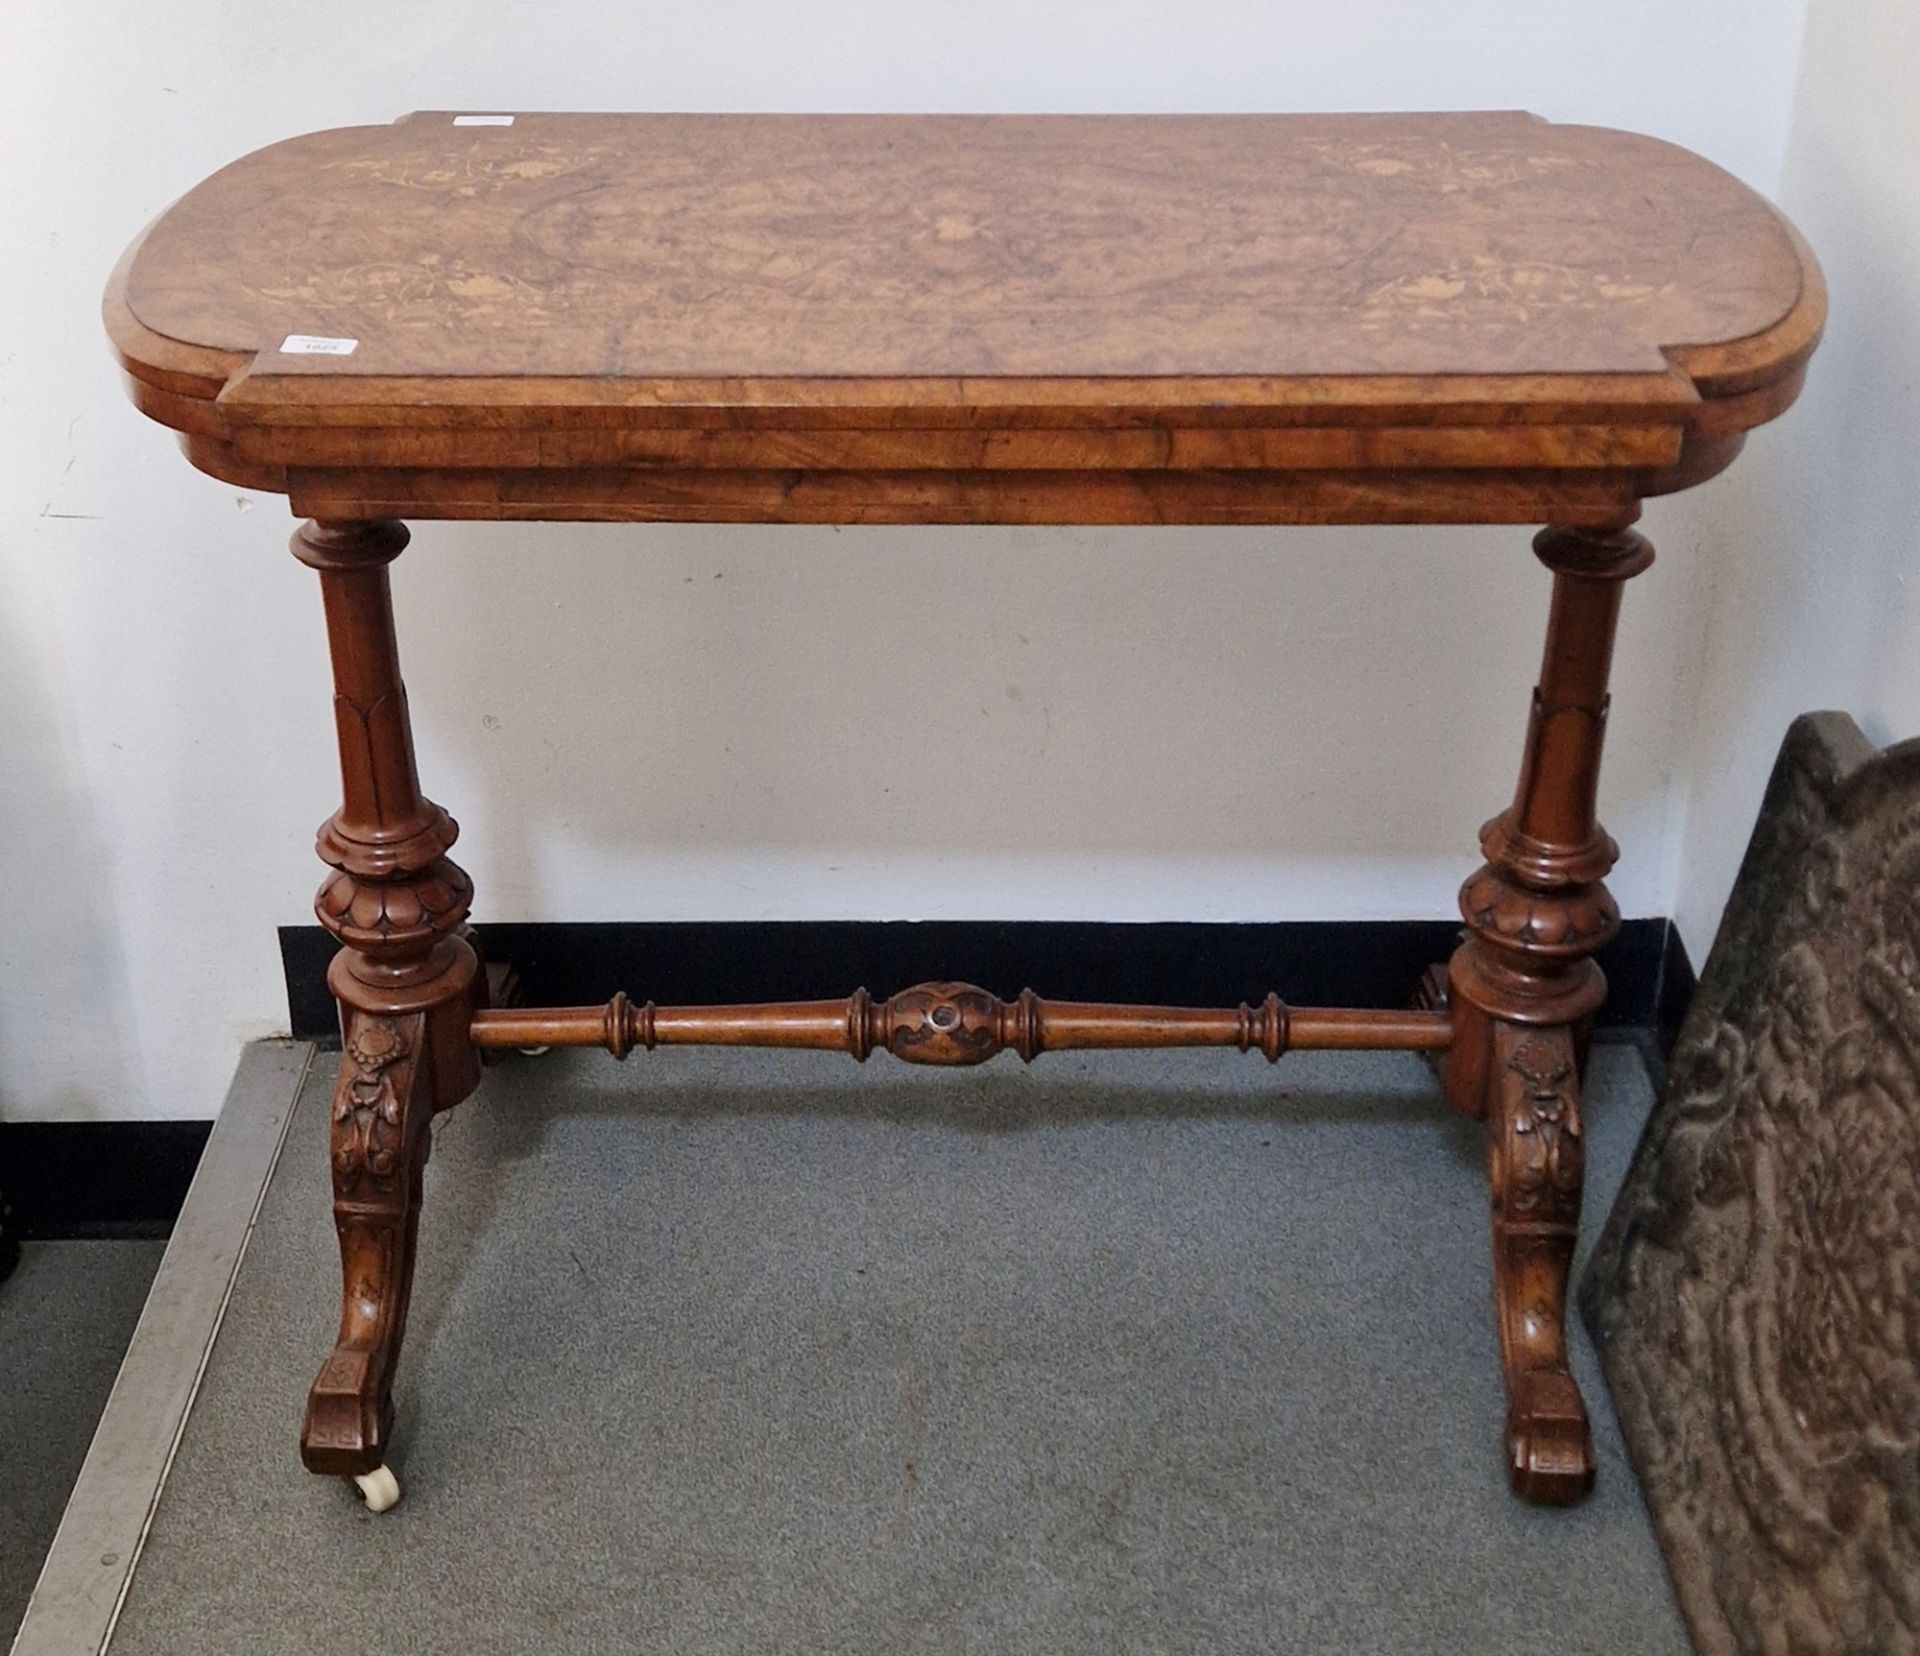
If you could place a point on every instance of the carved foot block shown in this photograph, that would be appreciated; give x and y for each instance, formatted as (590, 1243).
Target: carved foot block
(349, 1420)
(1549, 1445)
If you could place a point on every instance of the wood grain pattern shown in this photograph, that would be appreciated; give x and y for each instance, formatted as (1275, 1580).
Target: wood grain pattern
(741, 309)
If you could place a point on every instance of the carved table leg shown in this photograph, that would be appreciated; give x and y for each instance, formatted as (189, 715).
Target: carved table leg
(380, 1141)
(1523, 989)
(407, 981)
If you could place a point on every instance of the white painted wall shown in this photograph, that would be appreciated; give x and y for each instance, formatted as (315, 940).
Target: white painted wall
(1816, 561)
(1228, 724)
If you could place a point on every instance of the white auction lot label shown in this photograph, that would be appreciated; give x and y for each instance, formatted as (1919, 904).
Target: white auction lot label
(483, 120)
(317, 345)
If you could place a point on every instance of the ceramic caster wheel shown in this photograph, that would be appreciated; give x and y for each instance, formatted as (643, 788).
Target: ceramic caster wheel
(380, 1487)
(533, 1052)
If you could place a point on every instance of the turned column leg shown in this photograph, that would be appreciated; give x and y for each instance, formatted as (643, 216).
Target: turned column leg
(407, 981)
(1523, 988)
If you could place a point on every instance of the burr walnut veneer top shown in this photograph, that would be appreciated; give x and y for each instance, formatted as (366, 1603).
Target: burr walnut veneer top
(908, 297)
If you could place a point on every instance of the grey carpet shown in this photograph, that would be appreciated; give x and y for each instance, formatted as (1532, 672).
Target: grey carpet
(732, 1353)
(66, 1315)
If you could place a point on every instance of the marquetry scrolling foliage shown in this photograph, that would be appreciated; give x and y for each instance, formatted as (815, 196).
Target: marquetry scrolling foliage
(756, 245)
(969, 319)
(1757, 1293)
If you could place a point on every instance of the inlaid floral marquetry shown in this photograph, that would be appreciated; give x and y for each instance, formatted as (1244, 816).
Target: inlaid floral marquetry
(968, 318)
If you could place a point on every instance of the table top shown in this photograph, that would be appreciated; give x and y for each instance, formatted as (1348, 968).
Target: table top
(968, 318)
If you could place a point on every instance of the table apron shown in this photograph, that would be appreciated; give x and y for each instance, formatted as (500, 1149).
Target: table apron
(1594, 498)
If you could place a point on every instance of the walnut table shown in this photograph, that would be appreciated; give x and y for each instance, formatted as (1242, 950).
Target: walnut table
(901, 320)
